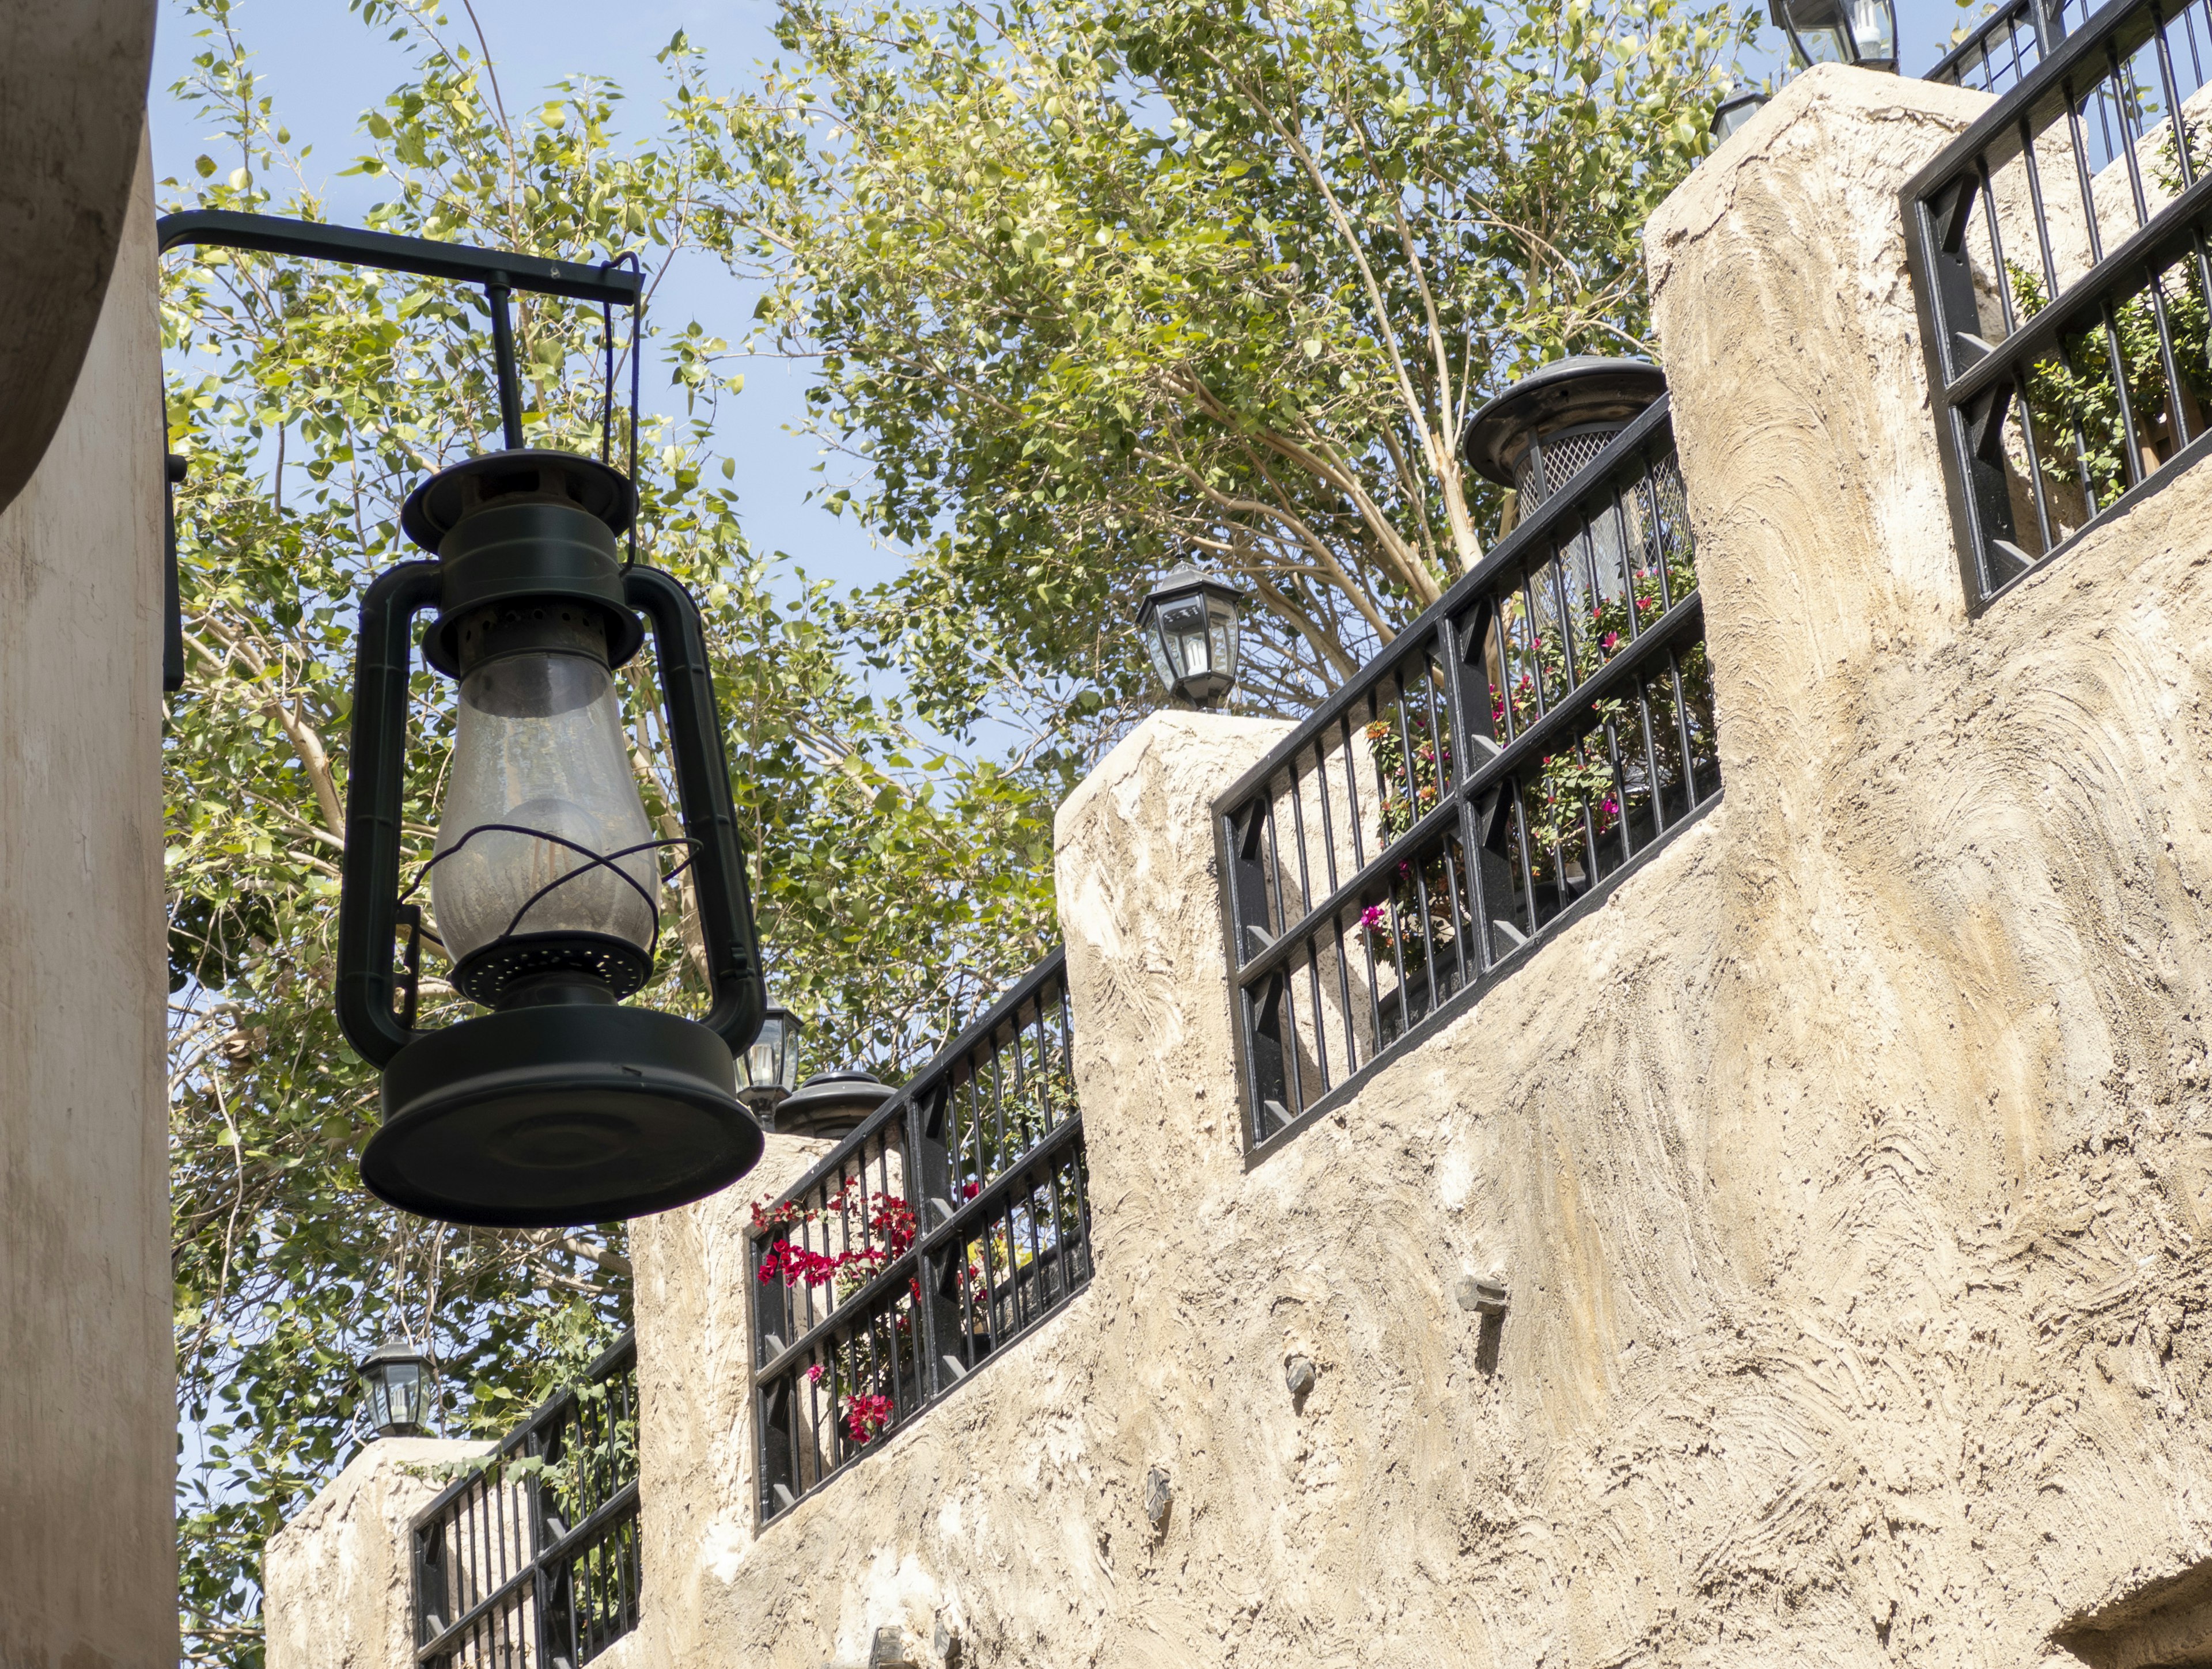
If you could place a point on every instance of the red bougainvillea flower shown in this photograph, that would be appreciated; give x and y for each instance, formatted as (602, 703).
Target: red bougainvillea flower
(865, 1417)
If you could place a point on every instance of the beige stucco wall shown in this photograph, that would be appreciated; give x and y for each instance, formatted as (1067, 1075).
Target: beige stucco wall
(87, 1409)
(1849, 1169)
(338, 1580)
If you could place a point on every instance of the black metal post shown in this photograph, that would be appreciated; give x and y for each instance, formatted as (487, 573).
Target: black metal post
(502, 349)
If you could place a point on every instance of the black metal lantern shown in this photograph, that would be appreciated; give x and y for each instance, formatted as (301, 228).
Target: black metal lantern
(1535, 435)
(831, 1104)
(560, 1106)
(767, 1071)
(1190, 622)
(1734, 111)
(398, 1380)
(1857, 32)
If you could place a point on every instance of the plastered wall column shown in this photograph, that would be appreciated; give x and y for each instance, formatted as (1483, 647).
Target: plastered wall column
(338, 1580)
(1959, 1016)
(88, 1404)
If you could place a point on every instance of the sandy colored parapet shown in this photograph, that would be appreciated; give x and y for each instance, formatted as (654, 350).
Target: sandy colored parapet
(338, 1580)
(1850, 1170)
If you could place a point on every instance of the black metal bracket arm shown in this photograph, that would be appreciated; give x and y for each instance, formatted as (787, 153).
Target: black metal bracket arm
(499, 271)
(272, 234)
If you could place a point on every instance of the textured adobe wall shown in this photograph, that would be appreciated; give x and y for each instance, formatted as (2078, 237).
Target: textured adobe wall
(87, 1407)
(1849, 1168)
(338, 1580)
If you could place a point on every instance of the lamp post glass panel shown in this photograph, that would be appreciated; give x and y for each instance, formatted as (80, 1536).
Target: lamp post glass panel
(1856, 32)
(1733, 112)
(398, 1380)
(767, 1071)
(1190, 622)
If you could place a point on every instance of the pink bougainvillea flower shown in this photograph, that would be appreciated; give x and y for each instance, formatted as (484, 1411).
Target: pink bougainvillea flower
(1610, 642)
(1371, 916)
(1612, 808)
(814, 1374)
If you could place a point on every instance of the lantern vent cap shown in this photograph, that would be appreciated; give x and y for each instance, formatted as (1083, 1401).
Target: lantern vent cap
(531, 476)
(395, 1354)
(1187, 577)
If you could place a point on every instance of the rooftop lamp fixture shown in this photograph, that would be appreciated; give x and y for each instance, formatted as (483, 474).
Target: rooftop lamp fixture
(829, 1105)
(558, 1106)
(1190, 623)
(1856, 32)
(397, 1379)
(767, 1071)
(1540, 432)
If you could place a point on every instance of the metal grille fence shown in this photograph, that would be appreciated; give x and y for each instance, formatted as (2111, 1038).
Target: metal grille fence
(2005, 47)
(1482, 781)
(2058, 253)
(951, 1223)
(532, 1562)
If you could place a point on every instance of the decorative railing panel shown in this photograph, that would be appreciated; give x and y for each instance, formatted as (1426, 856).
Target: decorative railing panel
(2058, 253)
(530, 1561)
(950, 1224)
(1508, 757)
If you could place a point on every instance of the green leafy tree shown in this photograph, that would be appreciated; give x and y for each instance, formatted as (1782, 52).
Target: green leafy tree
(1090, 285)
(896, 887)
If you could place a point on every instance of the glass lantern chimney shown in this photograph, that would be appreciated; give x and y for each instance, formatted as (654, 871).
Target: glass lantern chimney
(1858, 31)
(541, 791)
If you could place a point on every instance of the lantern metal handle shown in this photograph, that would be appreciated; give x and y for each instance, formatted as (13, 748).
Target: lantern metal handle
(710, 815)
(368, 911)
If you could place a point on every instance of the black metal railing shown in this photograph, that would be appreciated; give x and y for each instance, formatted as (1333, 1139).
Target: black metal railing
(2006, 45)
(951, 1223)
(1508, 757)
(2058, 253)
(530, 1561)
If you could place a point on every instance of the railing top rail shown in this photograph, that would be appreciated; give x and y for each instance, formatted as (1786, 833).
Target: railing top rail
(616, 1358)
(944, 1068)
(2006, 21)
(1544, 523)
(2121, 25)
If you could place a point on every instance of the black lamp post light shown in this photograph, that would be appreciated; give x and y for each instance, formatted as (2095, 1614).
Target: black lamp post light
(559, 1105)
(1535, 435)
(1856, 32)
(767, 1071)
(1190, 623)
(397, 1379)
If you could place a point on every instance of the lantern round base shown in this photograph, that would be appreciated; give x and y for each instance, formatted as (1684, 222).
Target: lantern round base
(545, 1118)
